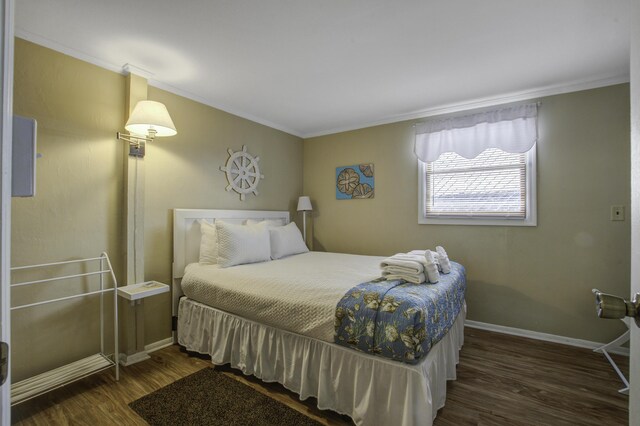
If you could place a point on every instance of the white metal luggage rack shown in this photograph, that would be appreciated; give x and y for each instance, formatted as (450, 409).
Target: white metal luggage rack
(58, 377)
(612, 346)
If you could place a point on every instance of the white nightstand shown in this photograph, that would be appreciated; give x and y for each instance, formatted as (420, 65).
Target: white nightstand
(134, 318)
(142, 290)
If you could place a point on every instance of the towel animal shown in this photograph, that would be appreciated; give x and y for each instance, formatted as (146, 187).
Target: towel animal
(440, 256)
(444, 259)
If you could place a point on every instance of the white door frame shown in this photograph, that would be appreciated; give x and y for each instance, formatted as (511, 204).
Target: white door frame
(6, 120)
(634, 359)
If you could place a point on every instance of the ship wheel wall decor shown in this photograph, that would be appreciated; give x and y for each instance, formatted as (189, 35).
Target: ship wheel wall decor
(243, 172)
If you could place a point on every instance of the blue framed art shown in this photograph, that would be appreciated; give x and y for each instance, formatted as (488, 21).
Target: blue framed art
(354, 182)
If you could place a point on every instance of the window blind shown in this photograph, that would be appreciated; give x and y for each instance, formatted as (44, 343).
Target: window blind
(493, 184)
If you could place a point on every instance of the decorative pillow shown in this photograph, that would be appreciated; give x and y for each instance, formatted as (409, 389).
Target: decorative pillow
(208, 243)
(286, 240)
(239, 244)
(267, 222)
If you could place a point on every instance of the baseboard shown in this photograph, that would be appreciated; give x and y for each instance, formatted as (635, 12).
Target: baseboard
(542, 336)
(160, 344)
(130, 359)
(127, 360)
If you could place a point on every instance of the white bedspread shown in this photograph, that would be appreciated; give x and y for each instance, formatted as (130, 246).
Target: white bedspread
(297, 293)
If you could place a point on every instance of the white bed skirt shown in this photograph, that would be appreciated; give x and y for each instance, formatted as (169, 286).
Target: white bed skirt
(369, 389)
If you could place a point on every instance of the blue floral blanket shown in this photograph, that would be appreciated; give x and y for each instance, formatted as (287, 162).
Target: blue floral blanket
(400, 320)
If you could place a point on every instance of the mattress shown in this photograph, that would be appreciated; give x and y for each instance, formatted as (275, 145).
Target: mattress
(298, 293)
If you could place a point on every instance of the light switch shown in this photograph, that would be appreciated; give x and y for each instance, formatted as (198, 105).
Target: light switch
(617, 212)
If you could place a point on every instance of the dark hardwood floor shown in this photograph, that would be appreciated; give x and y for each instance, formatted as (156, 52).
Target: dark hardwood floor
(509, 380)
(502, 380)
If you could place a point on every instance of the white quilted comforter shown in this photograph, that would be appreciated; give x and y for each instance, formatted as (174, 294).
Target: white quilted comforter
(298, 293)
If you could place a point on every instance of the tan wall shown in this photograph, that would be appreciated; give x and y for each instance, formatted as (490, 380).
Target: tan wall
(77, 211)
(184, 172)
(534, 278)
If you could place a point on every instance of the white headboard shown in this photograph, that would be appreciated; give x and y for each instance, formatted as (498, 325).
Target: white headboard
(186, 237)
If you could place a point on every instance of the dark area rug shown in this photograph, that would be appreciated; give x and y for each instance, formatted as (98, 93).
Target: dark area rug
(209, 397)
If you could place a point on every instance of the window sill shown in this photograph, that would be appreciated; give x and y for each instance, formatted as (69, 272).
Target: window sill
(476, 221)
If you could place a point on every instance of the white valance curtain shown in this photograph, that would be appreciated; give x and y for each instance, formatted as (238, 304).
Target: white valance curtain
(512, 129)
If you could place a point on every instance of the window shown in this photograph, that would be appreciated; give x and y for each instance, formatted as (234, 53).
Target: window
(494, 188)
(479, 168)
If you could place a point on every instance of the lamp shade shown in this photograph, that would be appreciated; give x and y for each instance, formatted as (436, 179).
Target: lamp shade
(304, 204)
(150, 115)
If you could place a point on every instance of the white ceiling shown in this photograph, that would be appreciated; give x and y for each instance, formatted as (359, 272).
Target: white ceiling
(317, 67)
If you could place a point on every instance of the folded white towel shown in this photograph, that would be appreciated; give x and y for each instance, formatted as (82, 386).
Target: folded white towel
(417, 257)
(408, 256)
(399, 271)
(431, 268)
(415, 279)
(412, 264)
(417, 266)
(444, 259)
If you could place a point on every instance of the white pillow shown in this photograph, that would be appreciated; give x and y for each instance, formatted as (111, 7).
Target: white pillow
(208, 243)
(286, 240)
(267, 222)
(239, 244)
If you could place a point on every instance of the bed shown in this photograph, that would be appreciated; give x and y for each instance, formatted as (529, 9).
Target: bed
(278, 336)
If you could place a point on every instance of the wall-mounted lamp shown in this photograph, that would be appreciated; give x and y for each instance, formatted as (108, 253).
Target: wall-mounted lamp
(148, 120)
(304, 206)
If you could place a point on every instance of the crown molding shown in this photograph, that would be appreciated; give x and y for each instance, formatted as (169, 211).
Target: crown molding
(127, 68)
(468, 104)
(567, 87)
(185, 94)
(54, 45)
(132, 69)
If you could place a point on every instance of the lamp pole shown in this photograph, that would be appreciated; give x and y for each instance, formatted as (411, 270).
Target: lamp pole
(304, 226)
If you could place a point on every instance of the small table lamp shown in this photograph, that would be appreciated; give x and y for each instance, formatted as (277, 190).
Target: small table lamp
(304, 206)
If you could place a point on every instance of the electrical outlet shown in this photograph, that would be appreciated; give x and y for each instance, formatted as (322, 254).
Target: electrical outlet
(617, 212)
